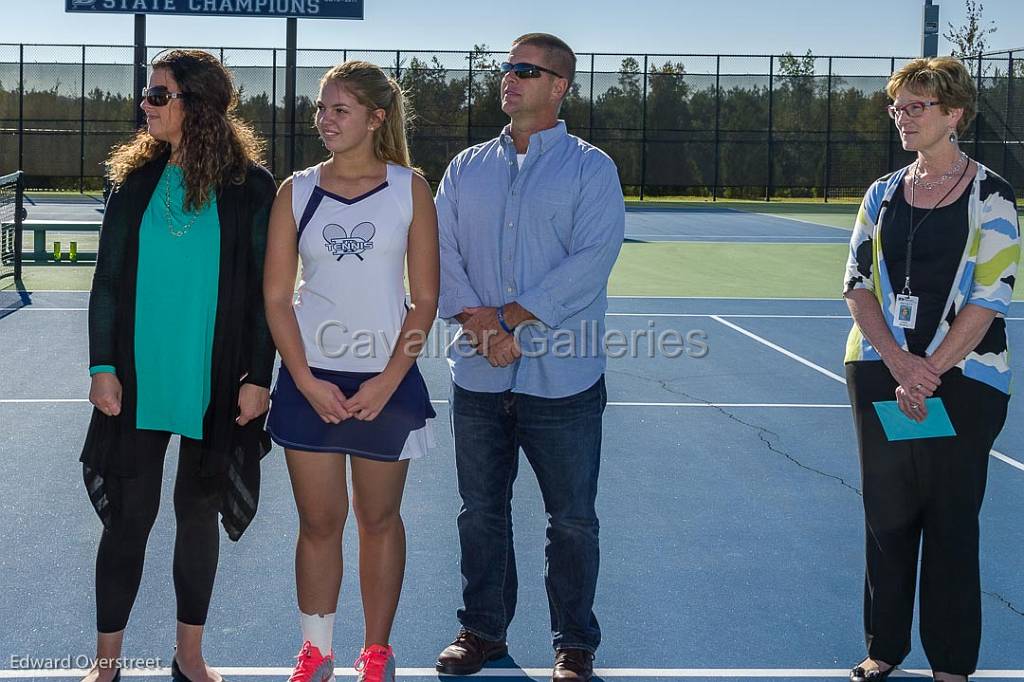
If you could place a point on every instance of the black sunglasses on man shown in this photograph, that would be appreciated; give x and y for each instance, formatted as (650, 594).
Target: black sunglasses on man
(527, 70)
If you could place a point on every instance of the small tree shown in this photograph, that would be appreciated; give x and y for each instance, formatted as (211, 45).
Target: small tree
(968, 39)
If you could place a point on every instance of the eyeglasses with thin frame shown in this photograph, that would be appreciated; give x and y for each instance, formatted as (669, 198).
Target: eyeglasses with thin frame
(527, 70)
(911, 109)
(160, 96)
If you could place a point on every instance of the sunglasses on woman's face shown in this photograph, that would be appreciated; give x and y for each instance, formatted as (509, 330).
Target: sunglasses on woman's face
(160, 96)
(526, 70)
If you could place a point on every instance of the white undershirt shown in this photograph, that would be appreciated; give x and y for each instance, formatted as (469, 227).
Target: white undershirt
(519, 159)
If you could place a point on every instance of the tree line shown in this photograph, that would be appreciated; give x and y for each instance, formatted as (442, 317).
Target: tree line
(799, 131)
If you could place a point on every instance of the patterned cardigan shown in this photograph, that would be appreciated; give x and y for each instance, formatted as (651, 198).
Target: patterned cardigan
(984, 277)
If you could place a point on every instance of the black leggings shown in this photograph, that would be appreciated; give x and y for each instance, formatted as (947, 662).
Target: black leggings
(924, 495)
(122, 550)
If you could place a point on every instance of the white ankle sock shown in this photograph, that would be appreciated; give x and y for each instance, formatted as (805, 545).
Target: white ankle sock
(319, 630)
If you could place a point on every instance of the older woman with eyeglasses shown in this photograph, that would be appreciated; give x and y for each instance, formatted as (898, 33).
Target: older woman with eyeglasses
(178, 344)
(929, 279)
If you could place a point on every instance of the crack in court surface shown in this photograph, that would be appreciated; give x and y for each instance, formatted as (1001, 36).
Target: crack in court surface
(761, 434)
(761, 431)
(1006, 602)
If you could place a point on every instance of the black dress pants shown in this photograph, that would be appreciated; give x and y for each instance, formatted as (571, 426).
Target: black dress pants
(924, 496)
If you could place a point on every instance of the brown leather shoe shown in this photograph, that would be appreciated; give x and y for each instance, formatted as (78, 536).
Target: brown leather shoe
(573, 664)
(468, 653)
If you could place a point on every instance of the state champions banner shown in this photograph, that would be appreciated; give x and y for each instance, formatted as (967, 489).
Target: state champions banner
(302, 9)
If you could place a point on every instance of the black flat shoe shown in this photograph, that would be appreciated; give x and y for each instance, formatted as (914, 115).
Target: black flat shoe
(177, 675)
(858, 674)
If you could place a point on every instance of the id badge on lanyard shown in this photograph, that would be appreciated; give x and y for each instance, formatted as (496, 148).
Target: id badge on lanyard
(906, 311)
(906, 302)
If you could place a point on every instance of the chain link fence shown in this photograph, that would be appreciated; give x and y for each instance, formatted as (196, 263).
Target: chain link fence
(730, 126)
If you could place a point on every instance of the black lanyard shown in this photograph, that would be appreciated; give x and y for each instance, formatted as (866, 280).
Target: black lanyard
(914, 228)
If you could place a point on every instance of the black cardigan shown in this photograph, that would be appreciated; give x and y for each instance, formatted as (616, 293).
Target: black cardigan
(243, 350)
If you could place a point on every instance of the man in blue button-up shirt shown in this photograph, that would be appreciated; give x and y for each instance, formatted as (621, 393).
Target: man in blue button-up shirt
(530, 225)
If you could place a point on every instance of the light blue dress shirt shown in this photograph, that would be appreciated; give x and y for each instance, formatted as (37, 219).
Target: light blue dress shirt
(545, 236)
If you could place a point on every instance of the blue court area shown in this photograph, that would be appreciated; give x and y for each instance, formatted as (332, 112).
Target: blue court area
(732, 536)
(42, 207)
(643, 224)
(721, 224)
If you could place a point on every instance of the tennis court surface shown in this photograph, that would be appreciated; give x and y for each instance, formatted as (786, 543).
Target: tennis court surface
(690, 222)
(730, 510)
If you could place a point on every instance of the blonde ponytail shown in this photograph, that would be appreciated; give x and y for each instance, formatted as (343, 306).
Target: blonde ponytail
(374, 89)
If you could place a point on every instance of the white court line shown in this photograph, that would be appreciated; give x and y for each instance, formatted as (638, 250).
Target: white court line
(805, 406)
(540, 673)
(829, 406)
(847, 230)
(780, 349)
(1009, 460)
(652, 298)
(15, 401)
(752, 315)
(731, 241)
(756, 316)
(33, 222)
(33, 308)
(729, 236)
(804, 361)
(727, 298)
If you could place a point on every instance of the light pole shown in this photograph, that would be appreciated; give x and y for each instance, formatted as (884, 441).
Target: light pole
(930, 30)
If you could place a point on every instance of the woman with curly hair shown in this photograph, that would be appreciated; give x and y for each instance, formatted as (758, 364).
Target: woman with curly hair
(178, 344)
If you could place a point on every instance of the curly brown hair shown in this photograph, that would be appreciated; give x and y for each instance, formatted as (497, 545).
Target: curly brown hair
(216, 146)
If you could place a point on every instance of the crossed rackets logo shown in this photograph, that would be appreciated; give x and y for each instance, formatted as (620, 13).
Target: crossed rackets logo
(340, 242)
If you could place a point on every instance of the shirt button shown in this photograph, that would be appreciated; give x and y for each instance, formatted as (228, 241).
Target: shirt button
(509, 290)
(510, 226)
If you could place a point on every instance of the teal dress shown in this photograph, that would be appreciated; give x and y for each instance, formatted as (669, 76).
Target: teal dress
(175, 311)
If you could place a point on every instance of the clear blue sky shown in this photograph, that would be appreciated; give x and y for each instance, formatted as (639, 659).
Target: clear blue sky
(827, 27)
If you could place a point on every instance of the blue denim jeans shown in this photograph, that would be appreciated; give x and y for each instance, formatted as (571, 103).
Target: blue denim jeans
(561, 438)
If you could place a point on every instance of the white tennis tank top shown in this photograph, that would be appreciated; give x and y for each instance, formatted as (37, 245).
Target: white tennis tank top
(350, 304)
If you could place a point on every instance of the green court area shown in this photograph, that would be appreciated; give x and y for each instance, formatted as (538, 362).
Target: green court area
(663, 269)
(682, 268)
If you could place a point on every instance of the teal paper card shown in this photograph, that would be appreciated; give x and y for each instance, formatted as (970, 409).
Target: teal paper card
(899, 426)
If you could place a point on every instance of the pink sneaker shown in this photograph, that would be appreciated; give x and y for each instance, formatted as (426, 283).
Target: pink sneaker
(376, 663)
(312, 666)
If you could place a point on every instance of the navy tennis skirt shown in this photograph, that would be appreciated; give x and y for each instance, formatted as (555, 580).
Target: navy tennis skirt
(294, 424)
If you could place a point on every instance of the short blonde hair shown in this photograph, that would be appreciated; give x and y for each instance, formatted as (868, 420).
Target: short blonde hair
(944, 78)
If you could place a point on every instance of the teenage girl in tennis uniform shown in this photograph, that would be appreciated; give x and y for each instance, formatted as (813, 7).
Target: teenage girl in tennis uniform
(349, 384)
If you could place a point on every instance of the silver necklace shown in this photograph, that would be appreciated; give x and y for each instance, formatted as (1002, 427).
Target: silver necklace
(954, 171)
(170, 216)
